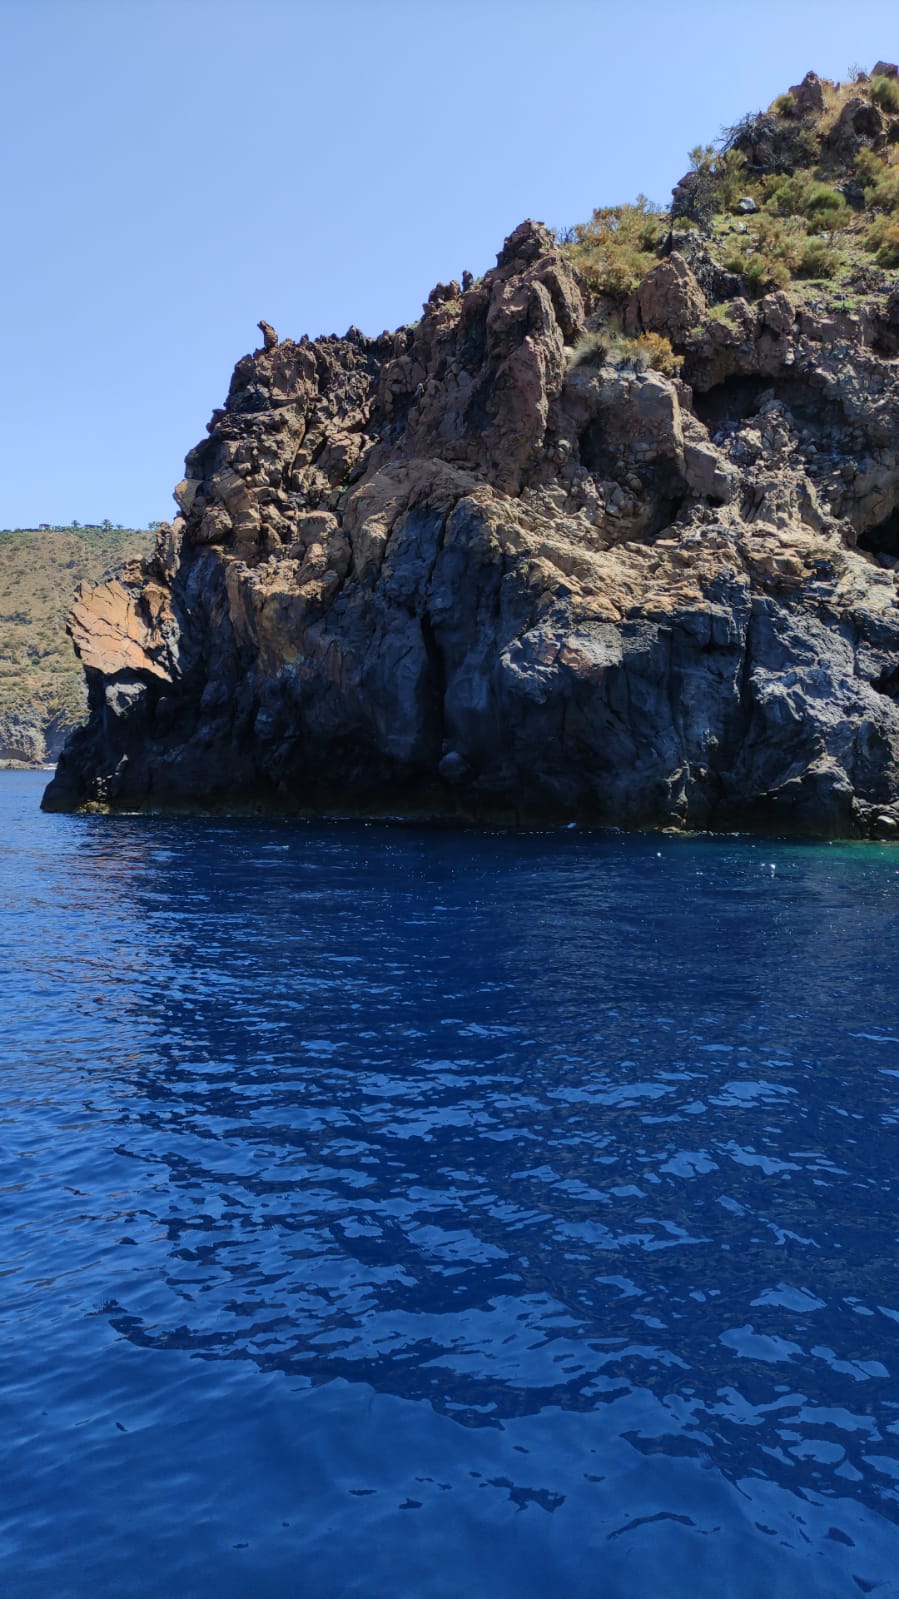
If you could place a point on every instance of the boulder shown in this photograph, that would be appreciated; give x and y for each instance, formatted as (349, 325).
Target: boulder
(809, 97)
(670, 300)
(860, 122)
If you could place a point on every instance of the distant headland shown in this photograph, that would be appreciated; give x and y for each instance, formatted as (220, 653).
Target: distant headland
(42, 691)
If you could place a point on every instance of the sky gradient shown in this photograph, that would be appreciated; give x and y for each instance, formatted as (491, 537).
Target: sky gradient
(177, 169)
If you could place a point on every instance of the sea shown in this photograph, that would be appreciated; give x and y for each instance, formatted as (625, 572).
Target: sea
(409, 1213)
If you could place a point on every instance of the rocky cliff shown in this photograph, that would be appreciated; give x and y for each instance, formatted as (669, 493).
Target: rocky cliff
(497, 566)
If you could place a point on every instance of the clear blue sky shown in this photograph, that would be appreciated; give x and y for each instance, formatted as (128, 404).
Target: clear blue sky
(177, 169)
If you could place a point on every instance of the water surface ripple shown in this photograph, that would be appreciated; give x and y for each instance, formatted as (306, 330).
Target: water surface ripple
(414, 1214)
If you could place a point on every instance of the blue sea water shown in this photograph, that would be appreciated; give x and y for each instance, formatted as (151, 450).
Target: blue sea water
(413, 1214)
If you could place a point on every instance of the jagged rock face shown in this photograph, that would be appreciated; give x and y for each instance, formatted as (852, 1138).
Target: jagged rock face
(456, 571)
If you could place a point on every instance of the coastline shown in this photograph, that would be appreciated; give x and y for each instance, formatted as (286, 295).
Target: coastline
(480, 820)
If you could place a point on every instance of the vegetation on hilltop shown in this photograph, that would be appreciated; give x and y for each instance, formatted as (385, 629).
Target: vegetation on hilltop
(805, 192)
(42, 692)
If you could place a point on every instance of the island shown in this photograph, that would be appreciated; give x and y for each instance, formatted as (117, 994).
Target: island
(610, 535)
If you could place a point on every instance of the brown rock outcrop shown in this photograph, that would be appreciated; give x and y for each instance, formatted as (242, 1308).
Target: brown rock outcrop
(809, 98)
(859, 123)
(670, 300)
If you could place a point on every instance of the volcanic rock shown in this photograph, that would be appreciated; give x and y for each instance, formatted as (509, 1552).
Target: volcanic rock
(464, 570)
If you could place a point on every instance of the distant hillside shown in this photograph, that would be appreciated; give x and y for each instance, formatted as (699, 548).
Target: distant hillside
(42, 694)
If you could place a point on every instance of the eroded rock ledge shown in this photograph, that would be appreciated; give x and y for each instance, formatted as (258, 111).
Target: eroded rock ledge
(453, 571)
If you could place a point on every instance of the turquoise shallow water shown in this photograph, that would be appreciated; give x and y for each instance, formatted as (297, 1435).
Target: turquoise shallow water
(401, 1214)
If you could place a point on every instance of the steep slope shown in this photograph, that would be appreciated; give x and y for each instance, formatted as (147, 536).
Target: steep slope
(499, 565)
(42, 691)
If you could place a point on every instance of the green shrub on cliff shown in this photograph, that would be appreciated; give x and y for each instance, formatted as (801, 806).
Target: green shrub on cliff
(591, 350)
(648, 350)
(883, 240)
(610, 345)
(884, 92)
(618, 246)
(766, 256)
(879, 178)
(775, 249)
(801, 195)
(715, 182)
(818, 260)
